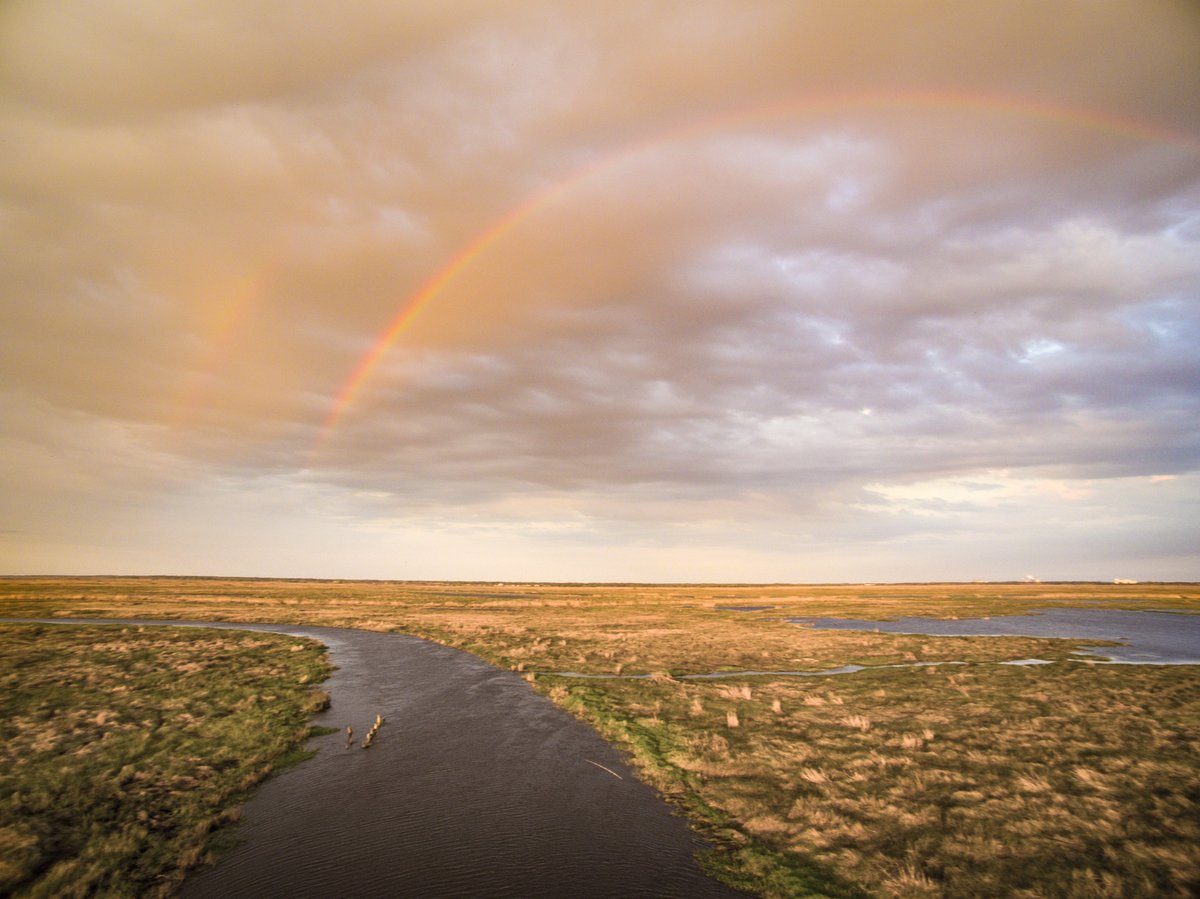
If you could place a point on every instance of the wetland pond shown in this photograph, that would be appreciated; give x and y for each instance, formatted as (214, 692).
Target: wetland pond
(1151, 638)
(474, 786)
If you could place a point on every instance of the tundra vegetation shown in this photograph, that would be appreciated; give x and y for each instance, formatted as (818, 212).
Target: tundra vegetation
(956, 776)
(124, 751)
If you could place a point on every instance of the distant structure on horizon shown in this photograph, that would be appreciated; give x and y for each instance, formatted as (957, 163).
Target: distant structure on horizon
(1123, 580)
(1030, 579)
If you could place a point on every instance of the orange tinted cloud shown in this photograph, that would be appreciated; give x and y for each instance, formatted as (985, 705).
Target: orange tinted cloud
(578, 278)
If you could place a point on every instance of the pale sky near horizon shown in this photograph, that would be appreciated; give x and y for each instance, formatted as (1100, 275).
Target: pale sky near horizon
(629, 291)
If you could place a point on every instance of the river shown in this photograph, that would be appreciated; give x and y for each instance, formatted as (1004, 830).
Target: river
(474, 786)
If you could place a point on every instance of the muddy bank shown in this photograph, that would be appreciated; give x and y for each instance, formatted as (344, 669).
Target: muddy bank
(474, 786)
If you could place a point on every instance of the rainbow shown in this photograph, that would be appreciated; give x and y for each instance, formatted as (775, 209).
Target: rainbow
(1071, 116)
(221, 333)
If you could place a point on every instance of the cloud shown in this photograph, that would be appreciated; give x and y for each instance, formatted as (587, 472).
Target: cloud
(705, 244)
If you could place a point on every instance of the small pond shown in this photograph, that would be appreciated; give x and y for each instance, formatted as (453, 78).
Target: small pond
(1151, 638)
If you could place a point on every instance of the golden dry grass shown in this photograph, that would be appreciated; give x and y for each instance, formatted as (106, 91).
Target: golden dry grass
(1064, 780)
(950, 780)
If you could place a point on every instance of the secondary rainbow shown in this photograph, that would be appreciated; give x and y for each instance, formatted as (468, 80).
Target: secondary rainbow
(413, 305)
(228, 321)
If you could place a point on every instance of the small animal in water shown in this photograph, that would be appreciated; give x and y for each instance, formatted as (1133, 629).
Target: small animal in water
(349, 735)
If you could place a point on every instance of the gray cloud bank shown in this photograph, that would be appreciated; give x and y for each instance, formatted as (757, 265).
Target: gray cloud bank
(816, 291)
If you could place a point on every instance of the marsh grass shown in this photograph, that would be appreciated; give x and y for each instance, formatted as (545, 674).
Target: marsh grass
(1061, 780)
(606, 629)
(949, 780)
(126, 750)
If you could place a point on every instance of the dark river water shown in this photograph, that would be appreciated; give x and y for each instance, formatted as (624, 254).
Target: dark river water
(1153, 638)
(476, 786)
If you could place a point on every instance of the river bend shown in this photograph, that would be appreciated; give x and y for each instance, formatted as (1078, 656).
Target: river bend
(475, 786)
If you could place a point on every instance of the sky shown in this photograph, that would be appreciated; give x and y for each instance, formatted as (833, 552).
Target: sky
(801, 291)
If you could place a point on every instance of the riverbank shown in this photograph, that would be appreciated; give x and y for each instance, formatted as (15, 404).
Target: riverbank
(471, 784)
(127, 751)
(1063, 779)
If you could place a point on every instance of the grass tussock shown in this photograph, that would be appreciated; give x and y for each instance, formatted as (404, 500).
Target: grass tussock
(123, 750)
(963, 779)
(1027, 783)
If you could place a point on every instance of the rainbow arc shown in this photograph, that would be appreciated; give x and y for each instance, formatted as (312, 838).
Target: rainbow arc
(496, 231)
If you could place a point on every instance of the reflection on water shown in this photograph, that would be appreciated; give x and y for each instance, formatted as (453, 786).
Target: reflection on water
(1151, 638)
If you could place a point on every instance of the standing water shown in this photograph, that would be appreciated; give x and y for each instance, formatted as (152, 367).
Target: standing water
(1151, 638)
